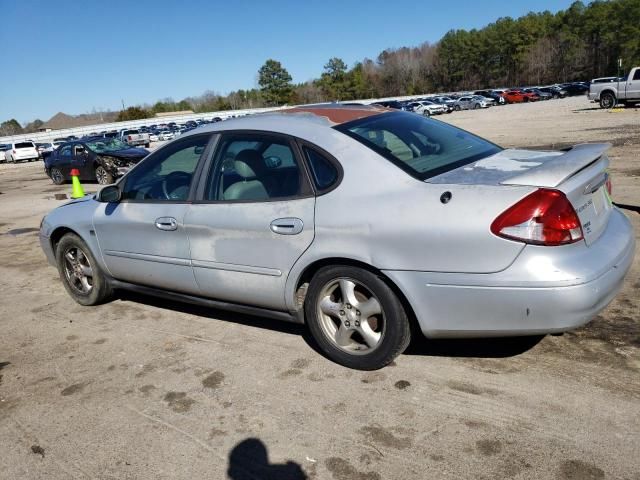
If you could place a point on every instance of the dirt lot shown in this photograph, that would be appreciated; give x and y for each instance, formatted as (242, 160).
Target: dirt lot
(141, 389)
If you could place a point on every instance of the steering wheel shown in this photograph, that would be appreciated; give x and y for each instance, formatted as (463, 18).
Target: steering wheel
(175, 185)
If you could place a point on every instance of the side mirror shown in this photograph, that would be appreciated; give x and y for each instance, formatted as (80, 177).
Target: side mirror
(109, 194)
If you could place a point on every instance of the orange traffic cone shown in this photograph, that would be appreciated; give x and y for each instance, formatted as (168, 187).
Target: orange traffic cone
(76, 190)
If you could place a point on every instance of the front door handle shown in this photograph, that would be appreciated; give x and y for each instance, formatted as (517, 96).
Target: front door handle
(287, 226)
(166, 223)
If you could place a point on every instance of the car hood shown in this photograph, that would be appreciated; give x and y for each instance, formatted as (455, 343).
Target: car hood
(127, 154)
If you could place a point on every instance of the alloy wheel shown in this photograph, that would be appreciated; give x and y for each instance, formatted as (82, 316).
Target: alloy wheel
(351, 316)
(102, 176)
(78, 271)
(56, 176)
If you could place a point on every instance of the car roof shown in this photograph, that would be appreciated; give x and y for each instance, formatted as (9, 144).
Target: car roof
(312, 123)
(327, 115)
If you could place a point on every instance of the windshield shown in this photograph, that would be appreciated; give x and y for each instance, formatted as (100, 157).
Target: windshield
(420, 146)
(106, 145)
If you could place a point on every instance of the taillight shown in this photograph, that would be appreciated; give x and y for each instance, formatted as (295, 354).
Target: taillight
(609, 185)
(544, 217)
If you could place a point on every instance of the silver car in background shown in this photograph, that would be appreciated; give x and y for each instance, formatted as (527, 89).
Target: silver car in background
(358, 221)
(472, 102)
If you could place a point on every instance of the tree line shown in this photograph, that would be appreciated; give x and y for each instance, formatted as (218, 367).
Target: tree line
(582, 42)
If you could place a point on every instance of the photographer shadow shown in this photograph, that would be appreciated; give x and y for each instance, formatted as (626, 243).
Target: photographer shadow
(249, 460)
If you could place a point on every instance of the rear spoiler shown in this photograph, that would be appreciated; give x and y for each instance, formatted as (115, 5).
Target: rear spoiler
(557, 168)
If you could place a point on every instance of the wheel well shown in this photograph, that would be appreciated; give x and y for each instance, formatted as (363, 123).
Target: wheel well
(312, 269)
(608, 91)
(57, 234)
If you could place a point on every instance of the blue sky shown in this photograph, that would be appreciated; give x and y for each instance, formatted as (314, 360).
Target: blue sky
(74, 56)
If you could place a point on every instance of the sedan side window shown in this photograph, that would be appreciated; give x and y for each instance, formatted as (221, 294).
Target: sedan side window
(256, 168)
(324, 173)
(166, 175)
(65, 151)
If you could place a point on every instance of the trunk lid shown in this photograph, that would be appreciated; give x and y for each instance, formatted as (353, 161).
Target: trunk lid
(580, 173)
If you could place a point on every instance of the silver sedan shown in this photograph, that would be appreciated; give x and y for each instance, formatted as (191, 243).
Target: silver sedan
(362, 223)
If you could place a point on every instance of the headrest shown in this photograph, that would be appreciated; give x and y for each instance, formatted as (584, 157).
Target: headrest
(249, 164)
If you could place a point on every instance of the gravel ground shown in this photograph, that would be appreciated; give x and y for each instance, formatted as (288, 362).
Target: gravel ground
(138, 388)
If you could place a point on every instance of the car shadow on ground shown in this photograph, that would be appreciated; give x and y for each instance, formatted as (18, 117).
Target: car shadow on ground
(473, 347)
(249, 460)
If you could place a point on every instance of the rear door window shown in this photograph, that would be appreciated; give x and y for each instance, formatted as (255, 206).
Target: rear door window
(256, 167)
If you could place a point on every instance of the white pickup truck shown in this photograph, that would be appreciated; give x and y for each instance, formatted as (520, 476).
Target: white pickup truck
(622, 90)
(134, 138)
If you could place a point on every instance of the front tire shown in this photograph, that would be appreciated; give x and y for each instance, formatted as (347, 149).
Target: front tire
(607, 100)
(80, 273)
(102, 176)
(355, 317)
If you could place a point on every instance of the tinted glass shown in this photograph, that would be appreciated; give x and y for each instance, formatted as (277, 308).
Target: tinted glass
(421, 146)
(166, 175)
(324, 173)
(65, 151)
(24, 145)
(255, 168)
(636, 76)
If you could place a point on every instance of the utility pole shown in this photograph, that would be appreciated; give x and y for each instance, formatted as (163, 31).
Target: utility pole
(122, 104)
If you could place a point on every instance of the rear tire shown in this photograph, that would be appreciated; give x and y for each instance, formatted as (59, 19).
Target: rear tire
(80, 273)
(355, 317)
(457, 108)
(56, 176)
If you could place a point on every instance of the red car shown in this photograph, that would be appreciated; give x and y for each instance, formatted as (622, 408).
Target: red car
(518, 96)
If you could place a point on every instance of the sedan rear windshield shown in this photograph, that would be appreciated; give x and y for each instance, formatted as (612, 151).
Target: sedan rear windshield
(420, 146)
(24, 145)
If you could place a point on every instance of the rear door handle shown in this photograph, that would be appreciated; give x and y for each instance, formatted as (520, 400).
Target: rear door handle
(287, 226)
(166, 223)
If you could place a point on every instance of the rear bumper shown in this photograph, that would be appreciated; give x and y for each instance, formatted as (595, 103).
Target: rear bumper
(545, 290)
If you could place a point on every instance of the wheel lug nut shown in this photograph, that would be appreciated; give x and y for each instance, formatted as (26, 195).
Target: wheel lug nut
(348, 307)
(357, 312)
(341, 312)
(357, 323)
(347, 324)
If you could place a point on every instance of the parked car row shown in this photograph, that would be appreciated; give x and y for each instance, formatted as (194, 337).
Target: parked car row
(432, 105)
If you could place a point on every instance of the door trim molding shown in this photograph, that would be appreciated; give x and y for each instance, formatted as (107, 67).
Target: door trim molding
(184, 262)
(272, 272)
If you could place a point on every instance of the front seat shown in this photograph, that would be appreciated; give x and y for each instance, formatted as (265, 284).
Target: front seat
(249, 165)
